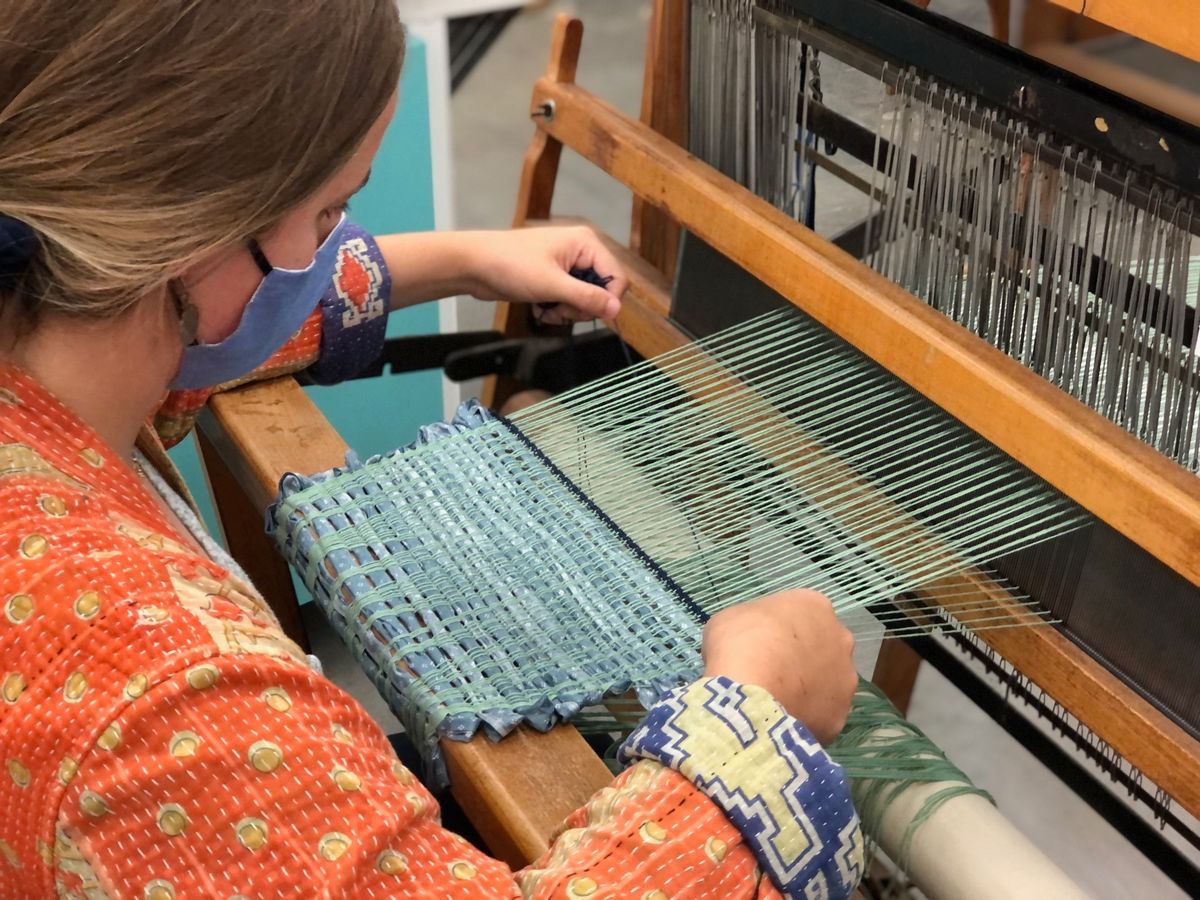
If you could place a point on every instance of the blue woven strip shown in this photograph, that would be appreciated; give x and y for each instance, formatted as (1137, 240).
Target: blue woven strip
(477, 586)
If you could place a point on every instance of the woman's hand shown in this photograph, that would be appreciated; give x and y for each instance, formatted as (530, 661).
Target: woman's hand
(792, 645)
(532, 265)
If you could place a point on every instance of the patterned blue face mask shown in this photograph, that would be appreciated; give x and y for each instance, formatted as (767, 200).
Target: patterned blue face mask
(280, 305)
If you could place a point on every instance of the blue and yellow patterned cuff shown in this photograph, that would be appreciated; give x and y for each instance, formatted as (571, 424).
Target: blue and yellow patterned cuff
(778, 787)
(354, 310)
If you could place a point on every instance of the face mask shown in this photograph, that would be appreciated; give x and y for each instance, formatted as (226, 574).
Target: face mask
(282, 303)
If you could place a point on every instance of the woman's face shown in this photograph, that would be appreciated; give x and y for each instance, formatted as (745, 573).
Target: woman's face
(221, 287)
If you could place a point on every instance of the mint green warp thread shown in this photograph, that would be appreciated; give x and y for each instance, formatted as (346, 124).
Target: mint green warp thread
(508, 572)
(884, 754)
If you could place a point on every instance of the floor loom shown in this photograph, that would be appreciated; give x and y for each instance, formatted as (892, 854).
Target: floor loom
(1135, 720)
(518, 790)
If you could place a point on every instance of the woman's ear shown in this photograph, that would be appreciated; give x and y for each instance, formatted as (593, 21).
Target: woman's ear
(189, 316)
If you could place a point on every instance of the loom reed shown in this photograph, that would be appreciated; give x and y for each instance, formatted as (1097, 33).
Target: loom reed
(870, 491)
(1085, 272)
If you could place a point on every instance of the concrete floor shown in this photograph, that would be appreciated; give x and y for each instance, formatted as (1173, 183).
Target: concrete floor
(491, 131)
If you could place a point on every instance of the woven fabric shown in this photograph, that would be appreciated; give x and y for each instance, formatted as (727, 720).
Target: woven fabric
(478, 587)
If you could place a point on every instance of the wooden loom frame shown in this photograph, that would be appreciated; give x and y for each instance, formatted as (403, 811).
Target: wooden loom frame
(518, 792)
(1106, 470)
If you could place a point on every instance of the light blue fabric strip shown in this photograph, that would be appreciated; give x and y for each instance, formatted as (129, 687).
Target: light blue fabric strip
(477, 590)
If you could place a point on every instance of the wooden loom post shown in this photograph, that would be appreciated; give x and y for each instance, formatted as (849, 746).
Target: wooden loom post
(1045, 21)
(1170, 24)
(536, 192)
(665, 97)
(896, 673)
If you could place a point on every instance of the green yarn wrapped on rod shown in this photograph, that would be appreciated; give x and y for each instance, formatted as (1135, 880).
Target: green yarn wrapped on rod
(884, 755)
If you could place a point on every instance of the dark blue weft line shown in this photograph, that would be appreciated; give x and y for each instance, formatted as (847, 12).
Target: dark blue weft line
(668, 582)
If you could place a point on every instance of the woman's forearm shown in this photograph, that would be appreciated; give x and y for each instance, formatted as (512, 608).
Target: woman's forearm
(430, 265)
(527, 265)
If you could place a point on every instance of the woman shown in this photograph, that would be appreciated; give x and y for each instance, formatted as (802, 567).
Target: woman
(173, 175)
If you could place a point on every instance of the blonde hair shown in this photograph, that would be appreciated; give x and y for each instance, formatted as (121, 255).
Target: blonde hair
(137, 136)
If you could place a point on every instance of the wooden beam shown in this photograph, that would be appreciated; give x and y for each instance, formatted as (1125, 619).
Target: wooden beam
(266, 429)
(1122, 481)
(516, 792)
(665, 95)
(1171, 24)
(248, 543)
(536, 194)
(1142, 734)
(1130, 724)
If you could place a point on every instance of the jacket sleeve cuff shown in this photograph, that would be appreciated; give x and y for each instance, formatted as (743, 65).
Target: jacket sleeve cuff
(767, 773)
(354, 310)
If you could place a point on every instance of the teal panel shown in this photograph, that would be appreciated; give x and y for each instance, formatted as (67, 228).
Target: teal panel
(377, 415)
